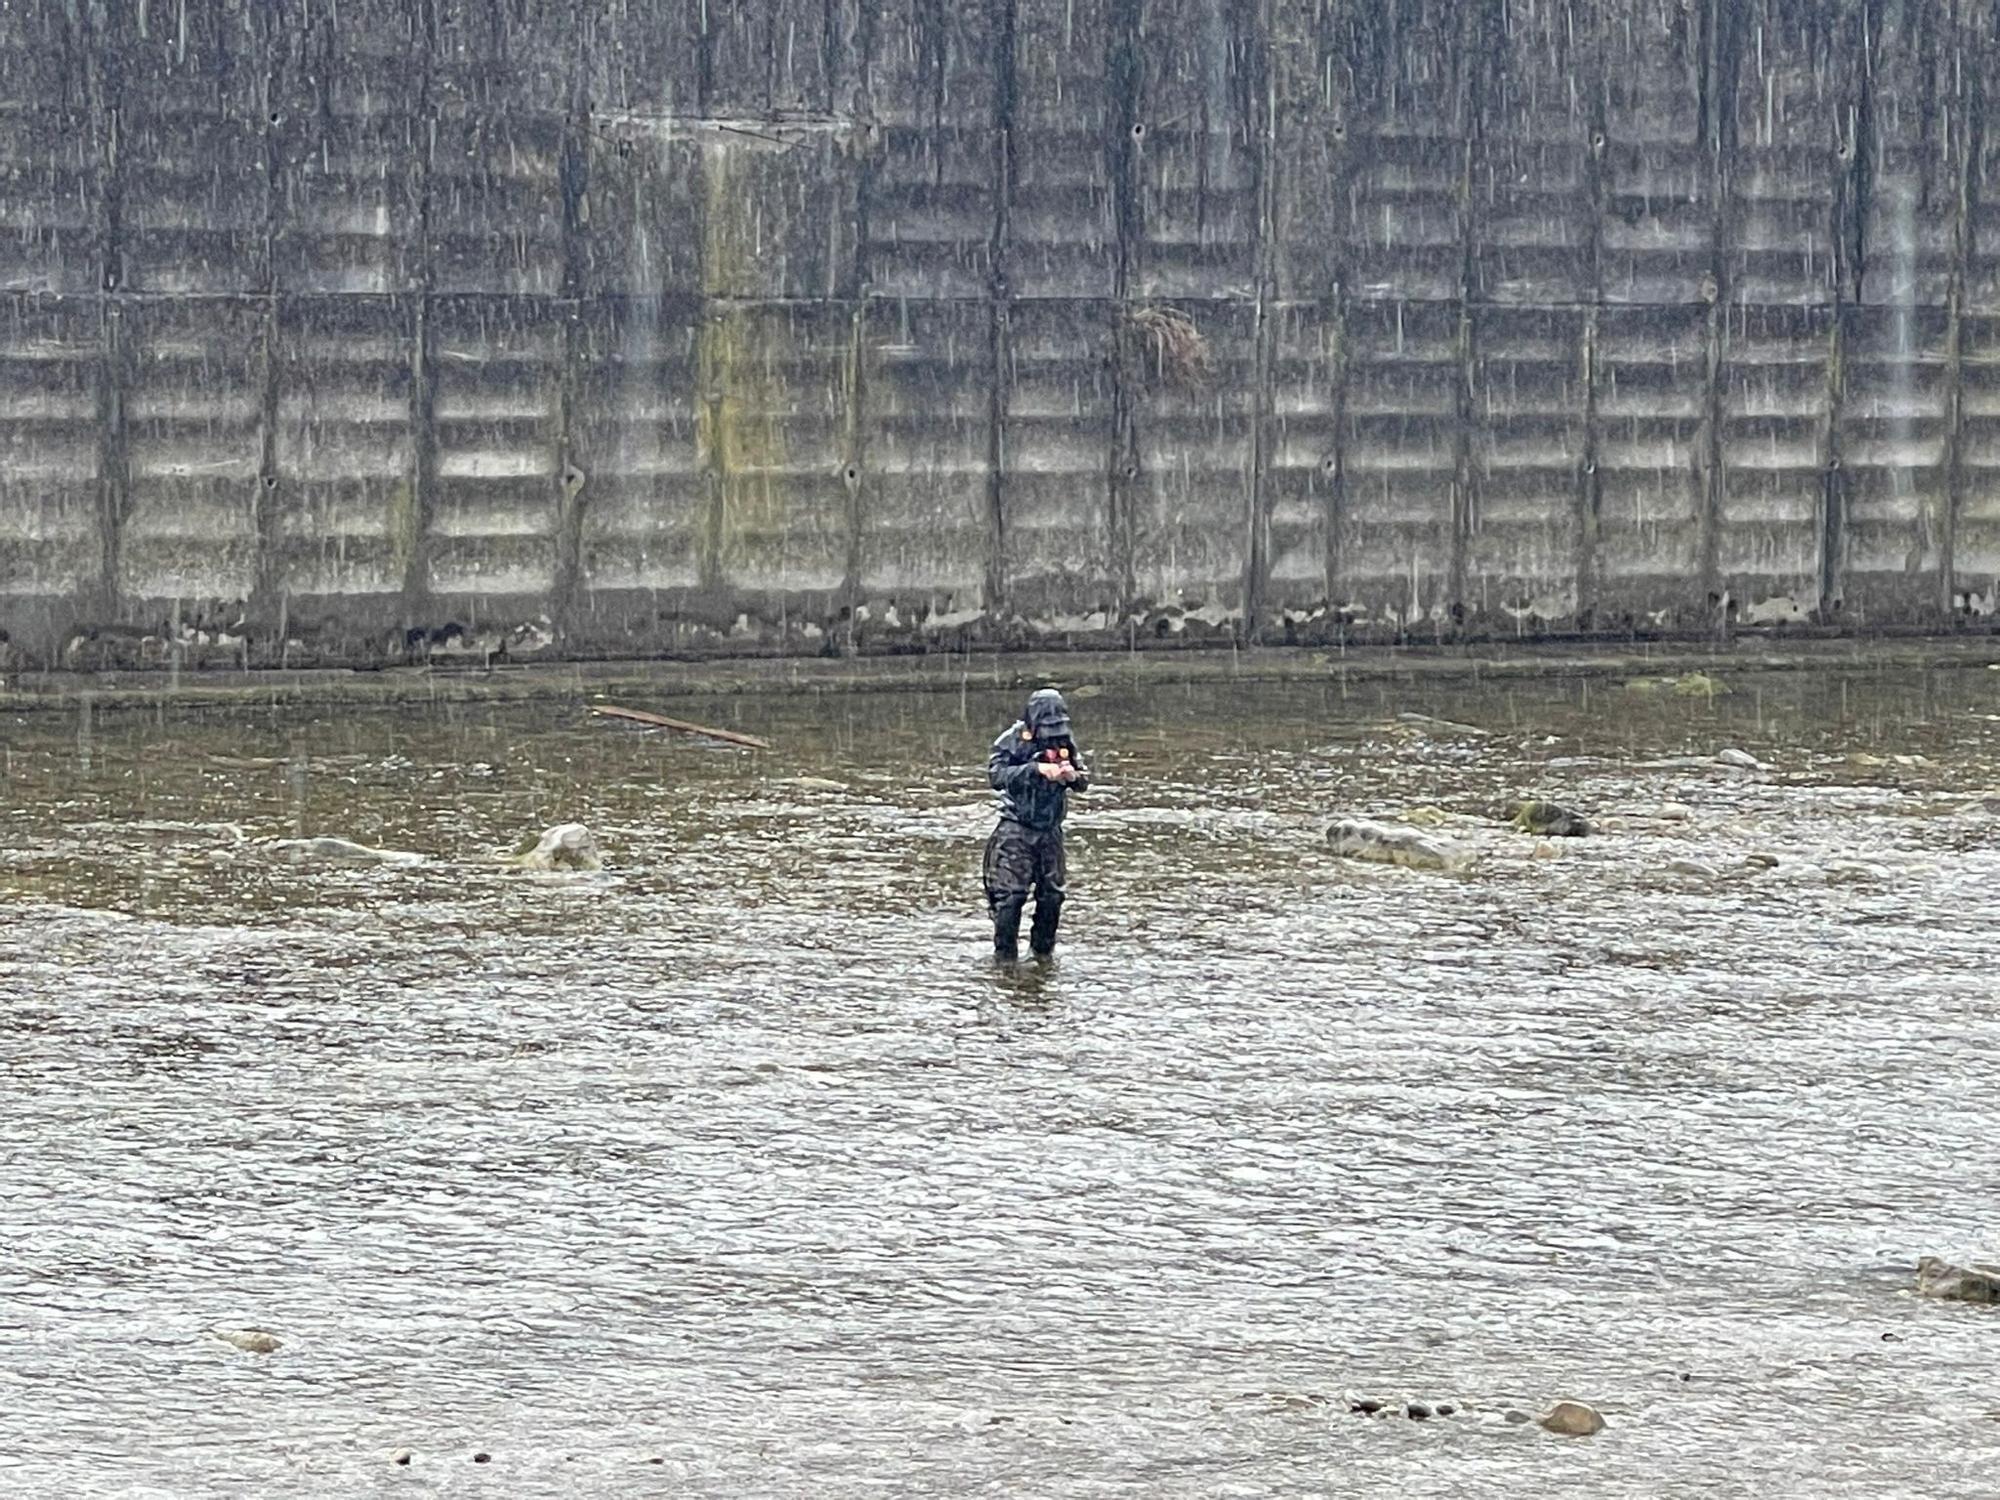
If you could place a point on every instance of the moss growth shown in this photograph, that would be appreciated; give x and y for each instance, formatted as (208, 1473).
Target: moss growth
(404, 524)
(1549, 820)
(1698, 685)
(741, 358)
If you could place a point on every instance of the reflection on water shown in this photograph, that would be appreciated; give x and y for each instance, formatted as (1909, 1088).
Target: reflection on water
(736, 1170)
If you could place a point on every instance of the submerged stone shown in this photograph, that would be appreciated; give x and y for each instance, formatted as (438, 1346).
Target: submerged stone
(1571, 1419)
(1356, 838)
(567, 846)
(1664, 812)
(250, 1340)
(333, 851)
(1443, 726)
(1951, 1282)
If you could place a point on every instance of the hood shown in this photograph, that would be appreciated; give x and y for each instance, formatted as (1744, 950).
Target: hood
(1047, 717)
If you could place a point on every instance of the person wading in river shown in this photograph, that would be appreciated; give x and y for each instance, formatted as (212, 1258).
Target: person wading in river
(1034, 767)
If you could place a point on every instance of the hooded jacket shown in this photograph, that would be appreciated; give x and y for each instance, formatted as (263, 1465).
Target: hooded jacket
(1026, 796)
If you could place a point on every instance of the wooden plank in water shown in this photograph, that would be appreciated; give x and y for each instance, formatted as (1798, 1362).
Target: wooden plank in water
(661, 721)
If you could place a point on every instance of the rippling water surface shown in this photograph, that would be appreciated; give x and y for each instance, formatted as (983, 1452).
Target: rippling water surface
(737, 1170)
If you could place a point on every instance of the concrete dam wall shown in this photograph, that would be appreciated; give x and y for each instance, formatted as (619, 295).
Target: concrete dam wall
(363, 331)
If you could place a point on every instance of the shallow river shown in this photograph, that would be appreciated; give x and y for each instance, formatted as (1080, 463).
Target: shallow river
(738, 1170)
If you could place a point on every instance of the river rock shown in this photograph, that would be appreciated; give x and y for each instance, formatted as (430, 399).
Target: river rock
(401, 1456)
(1951, 1282)
(1416, 1411)
(1443, 726)
(1663, 812)
(250, 1340)
(1571, 1419)
(1356, 838)
(567, 846)
(811, 784)
(332, 851)
(1741, 760)
(1694, 869)
(1549, 819)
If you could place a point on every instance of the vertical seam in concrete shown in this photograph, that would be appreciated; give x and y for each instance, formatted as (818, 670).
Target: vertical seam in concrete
(854, 295)
(853, 445)
(714, 462)
(1718, 85)
(1970, 148)
(709, 403)
(572, 479)
(415, 522)
(1473, 63)
(1335, 312)
(932, 27)
(1862, 168)
(266, 609)
(1854, 174)
(704, 77)
(1263, 123)
(1125, 72)
(1833, 481)
(104, 89)
(1590, 484)
(999, 317)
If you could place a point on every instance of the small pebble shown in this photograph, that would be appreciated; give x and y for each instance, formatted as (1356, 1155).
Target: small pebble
(401, 1456)
(1445, 1408)
(482, 1458)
